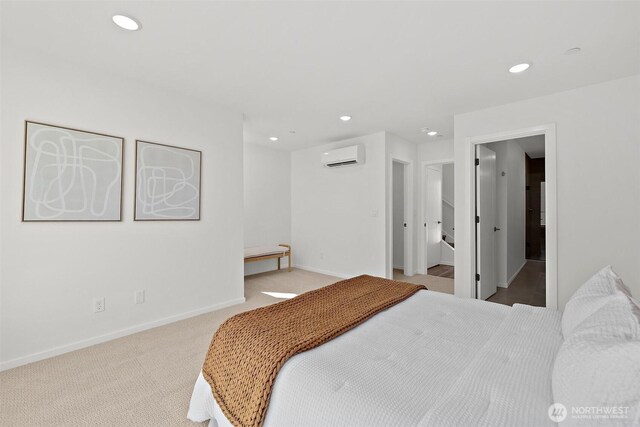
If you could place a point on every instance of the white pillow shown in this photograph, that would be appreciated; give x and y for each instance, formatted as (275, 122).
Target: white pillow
(590, 297)
(598, 365)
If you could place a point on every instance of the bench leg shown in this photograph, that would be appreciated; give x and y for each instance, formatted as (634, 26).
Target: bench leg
(289, 261)
(278, 263)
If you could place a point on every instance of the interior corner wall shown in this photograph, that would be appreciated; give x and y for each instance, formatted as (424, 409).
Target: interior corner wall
(267, 202)
(338, 215)
(597, 129)
(51, 272)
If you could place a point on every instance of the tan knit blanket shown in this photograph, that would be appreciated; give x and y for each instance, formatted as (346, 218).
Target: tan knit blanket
(249, 349)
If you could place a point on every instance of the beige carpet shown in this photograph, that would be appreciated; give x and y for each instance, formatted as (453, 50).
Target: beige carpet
(144, 379)
(433, 283)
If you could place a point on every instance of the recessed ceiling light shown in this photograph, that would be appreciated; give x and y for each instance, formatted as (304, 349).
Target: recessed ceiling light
(432, 133)
(572, 51)
(345, 118)
(273, 138)
(126, 22)
(519, 68)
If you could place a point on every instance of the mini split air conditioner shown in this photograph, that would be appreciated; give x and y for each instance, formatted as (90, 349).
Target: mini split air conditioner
(346, 156)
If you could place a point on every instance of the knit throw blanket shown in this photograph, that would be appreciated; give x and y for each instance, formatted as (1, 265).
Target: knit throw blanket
(249, 349)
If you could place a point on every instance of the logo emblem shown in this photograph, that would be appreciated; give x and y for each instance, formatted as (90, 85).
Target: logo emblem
(557, 412)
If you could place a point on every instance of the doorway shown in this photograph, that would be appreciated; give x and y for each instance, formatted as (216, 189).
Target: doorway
(401, 253)
(535, 182)
(438, 220)
(434, 211)
(510, 221)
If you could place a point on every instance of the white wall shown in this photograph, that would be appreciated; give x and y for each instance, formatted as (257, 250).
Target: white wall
(342, 217)
(598, 147)
(448, 194)
(398, 215)
(448, 182)
(516, 219)
(50, 272)
(436, 151)
(267, 202)
(510, 209)
(338, 215)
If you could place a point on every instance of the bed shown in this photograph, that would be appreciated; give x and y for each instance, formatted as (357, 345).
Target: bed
(432, 359)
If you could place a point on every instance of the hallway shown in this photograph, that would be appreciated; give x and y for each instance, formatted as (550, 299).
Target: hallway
(433, 283)
(442, 270)
(527, 288)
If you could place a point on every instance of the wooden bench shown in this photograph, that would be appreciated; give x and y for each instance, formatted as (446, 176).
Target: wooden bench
(260, 253)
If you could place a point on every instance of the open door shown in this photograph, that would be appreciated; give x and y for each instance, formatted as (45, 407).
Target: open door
(486, 281)
(433, 216)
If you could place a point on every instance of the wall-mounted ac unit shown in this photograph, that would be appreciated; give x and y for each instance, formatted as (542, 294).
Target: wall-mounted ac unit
(347, 156)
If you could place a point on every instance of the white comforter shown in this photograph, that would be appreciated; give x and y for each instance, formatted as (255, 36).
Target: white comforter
(433, 359)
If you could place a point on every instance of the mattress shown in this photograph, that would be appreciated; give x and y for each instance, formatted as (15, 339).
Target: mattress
(433, 359)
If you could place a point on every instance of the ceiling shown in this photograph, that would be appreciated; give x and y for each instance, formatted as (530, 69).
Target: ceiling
(298, 66)
(532, 145)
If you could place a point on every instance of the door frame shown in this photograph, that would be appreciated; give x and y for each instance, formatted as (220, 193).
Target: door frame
(422, 247)
(409, 217)
(551, 214)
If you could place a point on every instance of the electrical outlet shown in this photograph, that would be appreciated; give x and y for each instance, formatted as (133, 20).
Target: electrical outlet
(98, 305)
(139, 297)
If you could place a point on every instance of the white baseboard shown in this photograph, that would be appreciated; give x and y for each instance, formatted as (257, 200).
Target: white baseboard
(321, 271)
(446, 263)
(56, 351)
(513, 277)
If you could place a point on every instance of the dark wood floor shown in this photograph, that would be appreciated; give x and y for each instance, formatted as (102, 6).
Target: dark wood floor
(442, 271)
(527, 288)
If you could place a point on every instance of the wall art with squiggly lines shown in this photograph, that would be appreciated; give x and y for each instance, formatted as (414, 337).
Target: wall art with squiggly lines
(71, 175)
(167, 182)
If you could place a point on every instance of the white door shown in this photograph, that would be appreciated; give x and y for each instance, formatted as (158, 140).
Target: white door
(433, 216)
(485, 228)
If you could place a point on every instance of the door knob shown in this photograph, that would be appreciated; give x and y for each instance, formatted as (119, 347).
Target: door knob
(496, 229)
(405, 224)
(439, 222)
